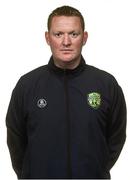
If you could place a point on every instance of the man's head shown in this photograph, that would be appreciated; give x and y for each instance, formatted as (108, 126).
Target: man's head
(65, 11)
(66, 36)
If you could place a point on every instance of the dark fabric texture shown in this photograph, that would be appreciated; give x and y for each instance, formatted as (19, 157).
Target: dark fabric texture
(55, 131)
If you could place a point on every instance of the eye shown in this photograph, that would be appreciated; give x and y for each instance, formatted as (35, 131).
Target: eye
(74, 34)
(58, 34)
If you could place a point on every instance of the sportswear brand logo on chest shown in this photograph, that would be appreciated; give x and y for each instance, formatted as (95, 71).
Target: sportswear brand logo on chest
(41, 103)
(94, 100)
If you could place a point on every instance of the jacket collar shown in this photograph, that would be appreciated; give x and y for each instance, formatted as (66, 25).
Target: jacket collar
(70, 72)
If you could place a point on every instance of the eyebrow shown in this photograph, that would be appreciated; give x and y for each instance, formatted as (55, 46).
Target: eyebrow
(73, 31)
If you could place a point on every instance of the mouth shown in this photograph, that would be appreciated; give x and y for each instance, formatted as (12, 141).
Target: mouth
(66, 50)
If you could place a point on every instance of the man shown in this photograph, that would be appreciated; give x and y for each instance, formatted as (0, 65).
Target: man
(66, 119)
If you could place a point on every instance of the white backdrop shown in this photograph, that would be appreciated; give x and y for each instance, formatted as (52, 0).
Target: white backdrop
(23, 48)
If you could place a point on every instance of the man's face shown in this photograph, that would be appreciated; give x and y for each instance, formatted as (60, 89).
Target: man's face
(66, 38)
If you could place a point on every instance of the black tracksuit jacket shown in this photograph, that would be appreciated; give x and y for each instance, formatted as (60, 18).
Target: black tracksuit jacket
(66, 123)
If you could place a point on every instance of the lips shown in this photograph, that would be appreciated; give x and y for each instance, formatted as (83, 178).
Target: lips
(66, 50)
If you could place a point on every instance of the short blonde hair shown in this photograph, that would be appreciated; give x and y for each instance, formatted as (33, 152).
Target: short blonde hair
(65, 11)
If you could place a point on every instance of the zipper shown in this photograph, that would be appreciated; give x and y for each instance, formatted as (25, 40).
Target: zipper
(68, 127)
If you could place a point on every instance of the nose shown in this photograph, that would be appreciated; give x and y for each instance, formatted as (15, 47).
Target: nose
(66, 40)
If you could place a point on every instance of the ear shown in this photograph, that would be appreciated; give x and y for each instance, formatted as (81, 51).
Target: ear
(47, 37)
(85, 37)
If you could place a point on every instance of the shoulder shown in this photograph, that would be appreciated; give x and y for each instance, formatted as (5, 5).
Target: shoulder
(97, 75)
(104, 81)
(35, 73)
(27, 80)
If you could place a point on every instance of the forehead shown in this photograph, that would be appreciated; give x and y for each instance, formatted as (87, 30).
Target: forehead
(65, 22)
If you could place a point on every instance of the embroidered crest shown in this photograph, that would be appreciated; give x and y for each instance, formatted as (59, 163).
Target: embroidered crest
(94, 100)
(41, 103)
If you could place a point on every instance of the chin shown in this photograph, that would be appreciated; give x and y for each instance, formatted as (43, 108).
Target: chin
(67, 58)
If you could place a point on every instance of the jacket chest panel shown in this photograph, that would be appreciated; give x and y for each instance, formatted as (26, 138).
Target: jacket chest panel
(51, 103)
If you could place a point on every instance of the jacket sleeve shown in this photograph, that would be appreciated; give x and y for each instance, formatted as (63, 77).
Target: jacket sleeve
(117, 124)
(16, 129)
